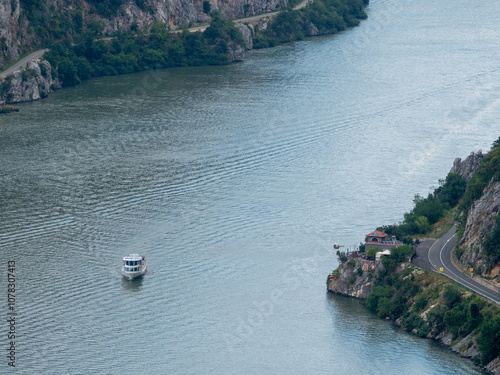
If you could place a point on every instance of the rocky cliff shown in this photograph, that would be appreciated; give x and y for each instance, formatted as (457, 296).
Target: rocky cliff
(349, 279)
(18, 35)
(481, 218)
(418, 301)
(467, 167)
(482, 214)
(32, 83)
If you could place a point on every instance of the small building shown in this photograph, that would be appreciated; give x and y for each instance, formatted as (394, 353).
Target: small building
(379, 240)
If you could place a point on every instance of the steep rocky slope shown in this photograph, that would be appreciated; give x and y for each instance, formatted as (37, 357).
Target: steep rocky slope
(421, 302)
(18, 34)
(32, 83)
(481, 217)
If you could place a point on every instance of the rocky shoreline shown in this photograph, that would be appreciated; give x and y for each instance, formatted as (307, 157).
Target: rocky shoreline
(348, 280)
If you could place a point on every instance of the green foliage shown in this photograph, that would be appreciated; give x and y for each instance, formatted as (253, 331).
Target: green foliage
(491, 245)
(341, 256)
(371, 252)
(451, 295)
(427, 211)
(455, 319)
(488, 170)
(206, 7)
(400, 253)
(317, 18)
(420, 303)
(359, 271)
(377, 293)
(106, 8)
(68, 72)
(489, 340)
(451, 190)
(128, 52)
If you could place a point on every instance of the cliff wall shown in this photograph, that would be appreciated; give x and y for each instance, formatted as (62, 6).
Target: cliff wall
(32, 83)
(349, 279)
(466, 168)
(481, 219)
(18, 35)
(420, 302)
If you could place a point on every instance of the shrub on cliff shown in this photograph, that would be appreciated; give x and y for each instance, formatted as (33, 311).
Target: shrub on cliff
(491, 245)
(378, 292)
(489, 340)
(317, 18)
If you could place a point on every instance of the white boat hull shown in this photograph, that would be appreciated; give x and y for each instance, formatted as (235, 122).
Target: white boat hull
(134, 275)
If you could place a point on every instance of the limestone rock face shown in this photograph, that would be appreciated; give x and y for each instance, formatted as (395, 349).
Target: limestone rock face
(16, 37)
(235, 52)
(246, 31)
(9, 26)
(480, 221)
(349, 283)
(33, 84)
(467, 167)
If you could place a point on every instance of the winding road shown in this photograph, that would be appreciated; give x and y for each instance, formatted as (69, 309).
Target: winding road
(439, 257)
(23, 62)
(253, 20)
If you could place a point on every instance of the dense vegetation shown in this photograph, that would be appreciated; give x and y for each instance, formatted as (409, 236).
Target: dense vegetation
(453, 190)
(488, 171)
(427, 211)
(318, 18)
(78, 49)
(428, 305)
(129, 52)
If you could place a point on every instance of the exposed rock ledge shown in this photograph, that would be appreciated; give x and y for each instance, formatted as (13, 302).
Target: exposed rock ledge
(348, 281)
(31, 83)
(467, 167)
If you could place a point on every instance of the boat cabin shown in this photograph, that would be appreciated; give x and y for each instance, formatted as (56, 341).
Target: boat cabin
(133, 263)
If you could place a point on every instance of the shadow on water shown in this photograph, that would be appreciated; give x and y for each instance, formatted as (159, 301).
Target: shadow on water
(132, 285)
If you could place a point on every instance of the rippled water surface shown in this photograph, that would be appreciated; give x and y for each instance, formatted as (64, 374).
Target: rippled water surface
(235, 181)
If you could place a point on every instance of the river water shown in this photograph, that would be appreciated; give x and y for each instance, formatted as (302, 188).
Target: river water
(235, 181)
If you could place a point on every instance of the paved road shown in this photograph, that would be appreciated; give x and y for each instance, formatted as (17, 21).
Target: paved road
(421, 259)
(250, 20)
(253, 20)
(24, 62)
(440, 258)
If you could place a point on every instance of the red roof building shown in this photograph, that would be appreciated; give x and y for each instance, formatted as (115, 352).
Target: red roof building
(378, 239)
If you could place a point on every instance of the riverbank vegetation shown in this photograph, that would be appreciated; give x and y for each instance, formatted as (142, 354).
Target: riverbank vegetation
(318, 18)
(429, 210)
(79, 49)
(129, 52)
(430, 305)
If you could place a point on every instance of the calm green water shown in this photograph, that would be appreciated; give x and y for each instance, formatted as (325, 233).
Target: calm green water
(235, 182)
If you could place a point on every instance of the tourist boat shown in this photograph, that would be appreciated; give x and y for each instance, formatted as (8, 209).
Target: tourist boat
(134, 266)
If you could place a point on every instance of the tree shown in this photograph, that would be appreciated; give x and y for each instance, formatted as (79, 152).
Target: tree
(371, 252)
(68, 72)
(341, 256)
(84, 69)
(452, 190)
(206, 7)
(451, 295)
(489, 340)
